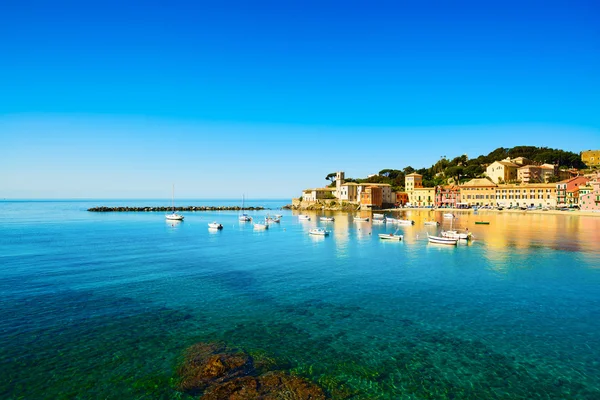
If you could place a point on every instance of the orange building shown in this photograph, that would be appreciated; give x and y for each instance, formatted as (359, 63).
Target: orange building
(371, 197)
(401, 198)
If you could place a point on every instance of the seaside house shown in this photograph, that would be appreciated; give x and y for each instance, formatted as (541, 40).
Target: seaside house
(567, 191)
(352, 192)
(478, 192)
(401, 198)
(423, 197)
(312, 195)
(348, 192)
(447, 196)
(502, 171)
(526, 195)
(536, 173)
(371, 197)
(589, 195)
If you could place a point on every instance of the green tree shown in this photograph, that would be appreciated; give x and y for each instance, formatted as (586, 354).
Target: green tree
(331, 176)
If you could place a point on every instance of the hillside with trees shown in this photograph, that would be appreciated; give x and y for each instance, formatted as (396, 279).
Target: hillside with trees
(461, 168)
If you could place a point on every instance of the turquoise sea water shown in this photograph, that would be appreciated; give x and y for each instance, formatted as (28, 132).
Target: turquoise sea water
(100, 305)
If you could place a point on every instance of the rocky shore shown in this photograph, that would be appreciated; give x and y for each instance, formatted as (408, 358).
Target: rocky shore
(187, 208)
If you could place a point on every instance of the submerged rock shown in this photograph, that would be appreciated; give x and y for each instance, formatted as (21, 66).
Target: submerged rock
(218, 372)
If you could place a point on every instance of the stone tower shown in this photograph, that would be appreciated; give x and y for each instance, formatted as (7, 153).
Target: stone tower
(339, 181)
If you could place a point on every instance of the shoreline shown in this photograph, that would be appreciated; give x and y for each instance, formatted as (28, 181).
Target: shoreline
(479, 212)
(164, 209)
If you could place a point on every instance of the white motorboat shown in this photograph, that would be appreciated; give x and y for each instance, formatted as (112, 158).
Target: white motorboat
(391, 236)
(361, 219)
(174, 216)
(379, 221)
(378, 216)
(327, 219)
(274, 220)
(304, 217)
(405, 222)
(448, 215)
(442, 240)
(215, 225)
(318, 231)
(431, 223)
(390, 220)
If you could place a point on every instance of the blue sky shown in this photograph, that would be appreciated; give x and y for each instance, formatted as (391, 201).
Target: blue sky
(102, 99)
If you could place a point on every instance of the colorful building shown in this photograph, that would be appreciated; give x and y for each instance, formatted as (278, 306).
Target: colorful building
(422, 197)
(447, 196)
(527, 195)
(478, 192)
(589, 200)
(401, 198)
(567, 191)
(371, 197)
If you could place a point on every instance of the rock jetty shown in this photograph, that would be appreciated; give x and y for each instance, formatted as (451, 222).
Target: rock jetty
(187, 208)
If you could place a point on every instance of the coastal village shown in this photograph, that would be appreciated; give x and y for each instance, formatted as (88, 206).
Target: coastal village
(506, 183)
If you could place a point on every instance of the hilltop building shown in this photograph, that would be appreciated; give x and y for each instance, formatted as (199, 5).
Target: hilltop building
(502, 171)
(591, 158)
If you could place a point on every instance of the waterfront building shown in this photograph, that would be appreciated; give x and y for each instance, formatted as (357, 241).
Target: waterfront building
(567, 191)
(413, 181)
(589, 195)
(526, 195)
(502, 171)
(478, 192)
(447, 196)
(371, 197)
(422, 197)
(388, 197)
(312, 195)
(591, 158)
(536, 173)
(401, 198)
(348, 192)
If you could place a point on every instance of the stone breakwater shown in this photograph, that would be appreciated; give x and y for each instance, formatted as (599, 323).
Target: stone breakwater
(187, 208)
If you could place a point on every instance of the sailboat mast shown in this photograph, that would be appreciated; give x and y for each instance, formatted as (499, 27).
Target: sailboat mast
(173, 199)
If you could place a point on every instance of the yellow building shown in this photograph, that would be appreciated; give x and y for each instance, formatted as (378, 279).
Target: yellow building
(533, 194)
(591, 158)
(478, 192)
(422, 197)
(413, 181)
(502, 171)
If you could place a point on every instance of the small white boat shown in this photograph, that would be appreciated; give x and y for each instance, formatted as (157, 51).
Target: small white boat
(378, 216)
(174, 216)
(448, 215)
(391, 236)
(327, 219)
(275, 220)
(431, 223)
(278, 216)
(361, 219)
(457, 235)
(405, 222)
(215, 225)
(304, 217)
(379, 221)
(261, 226)
(391, 220)
(442, 240)
(318, 231)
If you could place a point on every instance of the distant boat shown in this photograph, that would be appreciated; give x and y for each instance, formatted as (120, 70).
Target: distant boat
(174, 216)
(390, 220)
(379, 221)
(448, 215)
(327, 219)
(243, 217)
(215, 225)
(318, 231)
(442, 240)
(405, 222)
(378, 216)
(482, 222)
(361, 219)
(261, 225)
(391, 236)
(304, 217)
(431, 223)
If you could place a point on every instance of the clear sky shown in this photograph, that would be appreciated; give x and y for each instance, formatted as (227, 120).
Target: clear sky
(122, 99)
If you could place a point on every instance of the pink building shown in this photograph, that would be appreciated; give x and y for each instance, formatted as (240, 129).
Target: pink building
(567, 191)
(447, 196)
(591, 201)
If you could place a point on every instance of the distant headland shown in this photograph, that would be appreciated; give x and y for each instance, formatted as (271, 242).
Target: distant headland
(187, 208)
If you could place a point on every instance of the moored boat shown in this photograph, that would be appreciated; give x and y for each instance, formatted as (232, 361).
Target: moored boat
(378, 216)
(318, 231)
(215, 225)
(361, 219)
(174, 216)
(327, 219)
(391, 236)
(431, 223)
(448, 215)
(442, 240)
(405, 222)
(457, 235)
(482, 222)
(304, 217)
